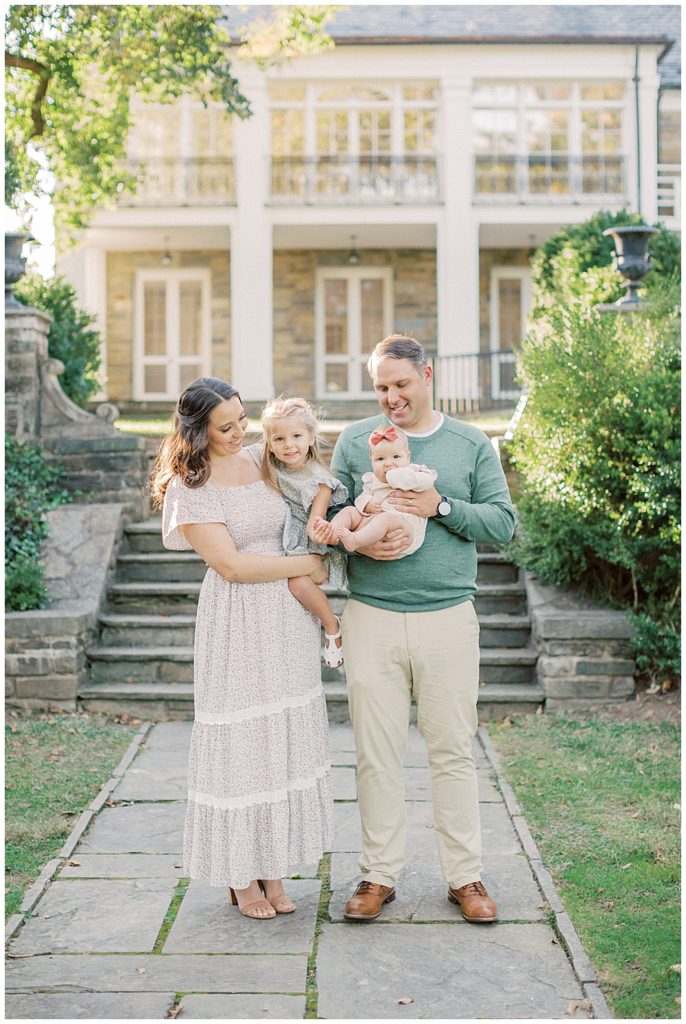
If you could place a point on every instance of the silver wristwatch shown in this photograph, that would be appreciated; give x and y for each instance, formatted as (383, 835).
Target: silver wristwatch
(444, 508)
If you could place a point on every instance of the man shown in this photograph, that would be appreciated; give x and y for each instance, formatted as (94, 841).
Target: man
(410, 628)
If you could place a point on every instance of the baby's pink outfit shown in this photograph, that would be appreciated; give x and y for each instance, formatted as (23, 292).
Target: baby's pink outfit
(404, 478)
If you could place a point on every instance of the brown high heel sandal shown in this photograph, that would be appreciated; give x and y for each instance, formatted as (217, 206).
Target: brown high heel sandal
(245, 911)
(282, 903)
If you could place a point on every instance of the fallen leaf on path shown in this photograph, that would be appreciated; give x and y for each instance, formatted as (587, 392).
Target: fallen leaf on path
(575, 1005)
(554, 941)
(174, 1012)
(405, 1001)
(140, 970)
(73, 864)
(21, 956)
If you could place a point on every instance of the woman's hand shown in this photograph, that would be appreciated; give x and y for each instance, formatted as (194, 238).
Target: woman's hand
(319, 572)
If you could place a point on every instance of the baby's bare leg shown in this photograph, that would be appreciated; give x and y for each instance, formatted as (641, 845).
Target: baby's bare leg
(347, 519)
(305, 590)
(372, 529)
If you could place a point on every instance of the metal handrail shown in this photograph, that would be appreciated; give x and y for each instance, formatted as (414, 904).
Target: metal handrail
(559, 177)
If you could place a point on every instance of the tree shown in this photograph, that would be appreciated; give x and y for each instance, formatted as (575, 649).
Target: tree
(73, 69)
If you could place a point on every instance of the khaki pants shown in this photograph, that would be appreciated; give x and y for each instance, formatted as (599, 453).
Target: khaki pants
(389, 656)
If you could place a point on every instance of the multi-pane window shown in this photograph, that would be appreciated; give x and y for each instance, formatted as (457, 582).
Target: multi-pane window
(554, 139)
(370, 142)
(182, 152)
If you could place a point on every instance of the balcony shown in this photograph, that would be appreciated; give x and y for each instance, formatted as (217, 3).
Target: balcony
(373, 181)
(549, 179)
(669, 195)
(172, 181)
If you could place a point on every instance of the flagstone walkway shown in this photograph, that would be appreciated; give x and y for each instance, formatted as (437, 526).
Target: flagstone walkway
(120, 933)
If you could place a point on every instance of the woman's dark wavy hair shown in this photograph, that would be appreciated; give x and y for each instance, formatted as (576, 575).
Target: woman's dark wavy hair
(184, 452)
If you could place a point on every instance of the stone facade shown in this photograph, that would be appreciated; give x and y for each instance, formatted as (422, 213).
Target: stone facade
(585, 650)
(45, 659)
(121, 271)
(414, 303)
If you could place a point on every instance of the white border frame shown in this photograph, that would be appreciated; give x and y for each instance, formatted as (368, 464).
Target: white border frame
(172, 357)
(355, 355)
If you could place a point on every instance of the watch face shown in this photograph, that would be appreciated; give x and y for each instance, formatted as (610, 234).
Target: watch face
(444, 507)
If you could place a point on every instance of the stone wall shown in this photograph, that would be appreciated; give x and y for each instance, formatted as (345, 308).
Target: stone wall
(45, 659)
(585, 651)
(414, 298)
(121, 271)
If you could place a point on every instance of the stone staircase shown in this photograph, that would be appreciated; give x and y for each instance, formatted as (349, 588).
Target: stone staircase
(143, 662)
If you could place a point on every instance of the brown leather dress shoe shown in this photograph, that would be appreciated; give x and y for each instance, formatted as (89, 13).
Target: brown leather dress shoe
(474, 902)
(367, 901)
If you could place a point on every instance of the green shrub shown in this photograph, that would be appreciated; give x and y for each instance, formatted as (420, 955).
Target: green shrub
(32, 486)
(71, 339)
(575, 264)
(598, 452)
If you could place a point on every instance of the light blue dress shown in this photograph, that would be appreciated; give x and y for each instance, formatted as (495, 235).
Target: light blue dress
(299, 487)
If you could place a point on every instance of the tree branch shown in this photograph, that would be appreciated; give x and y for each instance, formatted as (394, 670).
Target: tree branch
(44, 75)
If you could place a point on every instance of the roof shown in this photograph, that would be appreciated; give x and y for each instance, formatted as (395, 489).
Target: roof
(502, 23)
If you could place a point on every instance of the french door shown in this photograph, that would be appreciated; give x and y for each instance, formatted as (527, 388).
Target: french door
(172, 332)
(509, 309)
(354, 311)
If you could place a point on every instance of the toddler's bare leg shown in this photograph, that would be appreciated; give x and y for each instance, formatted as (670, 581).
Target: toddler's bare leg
(305, 590)
(372, 529)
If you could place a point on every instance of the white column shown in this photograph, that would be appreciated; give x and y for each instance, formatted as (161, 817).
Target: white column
(647, 105)
(457, 243)
(251, 250)
(86, 269)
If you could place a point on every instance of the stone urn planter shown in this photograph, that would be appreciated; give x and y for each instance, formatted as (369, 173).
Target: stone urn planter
(631, 259)
(15, 264)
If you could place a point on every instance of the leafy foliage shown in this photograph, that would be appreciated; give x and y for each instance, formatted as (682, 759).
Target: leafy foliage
(72, 69)
(289, 32)
(598, 450)
(575, 264)
(71, 338)
(32, 486)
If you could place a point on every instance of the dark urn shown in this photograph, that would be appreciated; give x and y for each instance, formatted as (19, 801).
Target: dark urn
(631, 259)
(15, 265)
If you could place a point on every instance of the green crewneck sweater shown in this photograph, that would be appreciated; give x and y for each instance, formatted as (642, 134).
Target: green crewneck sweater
(442, 572)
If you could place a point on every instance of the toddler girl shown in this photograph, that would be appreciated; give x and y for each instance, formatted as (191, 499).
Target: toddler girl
(372, 515)
(292, 465)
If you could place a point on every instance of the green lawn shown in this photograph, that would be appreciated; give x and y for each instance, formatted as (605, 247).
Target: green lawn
(602, 801)
(54, 767)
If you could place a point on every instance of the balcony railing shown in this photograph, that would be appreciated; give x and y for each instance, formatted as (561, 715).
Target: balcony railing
(474, 382)
(548, 179)
(192, 181)
(669, 194)
(376, 180)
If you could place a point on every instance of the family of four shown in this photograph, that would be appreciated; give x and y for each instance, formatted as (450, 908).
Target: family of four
(397, 517)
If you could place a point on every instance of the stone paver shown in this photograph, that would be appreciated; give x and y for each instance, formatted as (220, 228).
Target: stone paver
(204, 924)
(97, 924)
(500, 971)
(90, 1006)
(97, 916)
(243, 1007)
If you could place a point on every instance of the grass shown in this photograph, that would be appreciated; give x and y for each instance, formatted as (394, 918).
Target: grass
(602, 801)
(54, 767)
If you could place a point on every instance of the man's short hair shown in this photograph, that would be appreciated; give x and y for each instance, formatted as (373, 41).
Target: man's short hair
(398, 346)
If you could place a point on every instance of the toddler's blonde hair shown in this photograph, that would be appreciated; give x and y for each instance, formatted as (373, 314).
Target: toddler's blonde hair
(282, 408)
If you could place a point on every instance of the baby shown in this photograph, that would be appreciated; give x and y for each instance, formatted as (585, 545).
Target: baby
(372, 515)
(292, 465)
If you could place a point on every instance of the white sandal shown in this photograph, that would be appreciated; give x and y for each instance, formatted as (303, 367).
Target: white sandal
(333, 656)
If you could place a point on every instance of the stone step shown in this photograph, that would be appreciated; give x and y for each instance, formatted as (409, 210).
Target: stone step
(164, 701)
(186, 566)
(174, 664)
(140, 630)
(166, 596)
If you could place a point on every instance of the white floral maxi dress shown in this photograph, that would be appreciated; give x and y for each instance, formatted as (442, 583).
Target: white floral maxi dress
(259, 789)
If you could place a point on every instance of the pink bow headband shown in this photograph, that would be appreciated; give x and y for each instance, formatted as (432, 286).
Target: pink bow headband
(389, 434)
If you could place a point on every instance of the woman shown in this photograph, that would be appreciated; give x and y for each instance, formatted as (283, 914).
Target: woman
(259, 793)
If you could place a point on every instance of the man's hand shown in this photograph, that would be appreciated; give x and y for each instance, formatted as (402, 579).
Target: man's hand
(393, 544)
(322, 532)
(417, 503)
